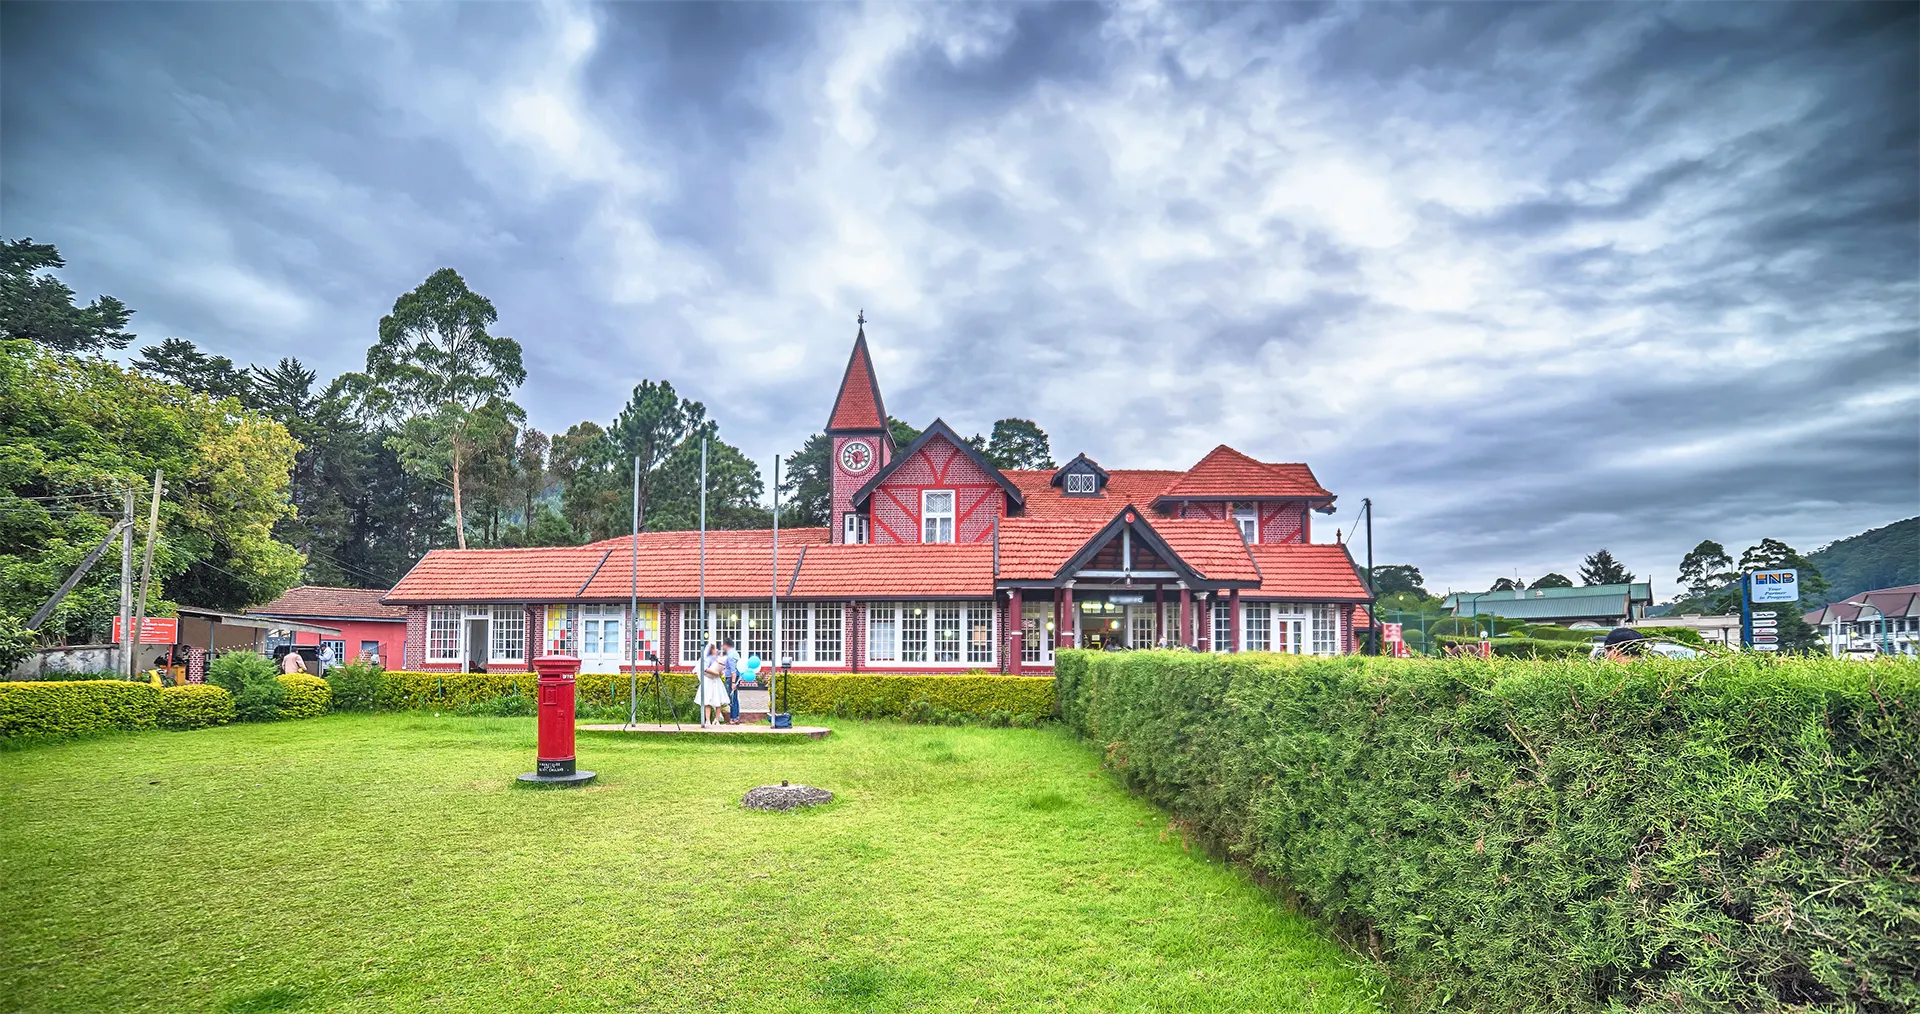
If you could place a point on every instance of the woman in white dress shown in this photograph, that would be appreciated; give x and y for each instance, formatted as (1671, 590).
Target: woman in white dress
(712, 694)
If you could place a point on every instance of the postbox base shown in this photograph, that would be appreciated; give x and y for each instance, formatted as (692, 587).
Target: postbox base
(558, 781)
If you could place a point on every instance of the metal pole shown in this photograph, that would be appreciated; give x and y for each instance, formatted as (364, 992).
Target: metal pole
(126, 586)
(773, 664)
(1746, 613)
(1373, 606)
(146, 564)
(704, 614)
(633, 606)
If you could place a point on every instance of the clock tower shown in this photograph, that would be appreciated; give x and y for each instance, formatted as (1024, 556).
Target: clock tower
(857, 429)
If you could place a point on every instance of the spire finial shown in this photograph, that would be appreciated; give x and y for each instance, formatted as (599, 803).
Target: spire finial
(862, 319)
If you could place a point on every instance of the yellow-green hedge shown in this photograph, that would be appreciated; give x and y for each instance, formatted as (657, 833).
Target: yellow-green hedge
(75, 707)
(860, 695)
(307, 696)
(194, 706)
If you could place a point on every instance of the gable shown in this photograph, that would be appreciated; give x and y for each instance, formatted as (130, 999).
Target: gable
(893, 505)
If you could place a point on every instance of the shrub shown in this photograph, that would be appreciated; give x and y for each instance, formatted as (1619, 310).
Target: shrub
(1555, 835)
(194, 706)
(258, 694)
(306, 696)
(1525, 647)
(74, 707)
(358, 686)
(936, 699)
(1683, 635)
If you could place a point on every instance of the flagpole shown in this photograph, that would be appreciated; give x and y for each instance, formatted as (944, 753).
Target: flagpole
(705, 616)
(773, 664)
(633, 607)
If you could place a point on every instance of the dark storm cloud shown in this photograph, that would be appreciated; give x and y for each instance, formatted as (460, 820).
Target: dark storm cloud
(1536, 278)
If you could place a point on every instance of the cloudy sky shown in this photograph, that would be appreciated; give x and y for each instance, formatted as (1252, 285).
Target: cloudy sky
(1536, 279)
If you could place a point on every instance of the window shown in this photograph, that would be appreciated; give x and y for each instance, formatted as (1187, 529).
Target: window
(936, 515)
(443, 633)
(370, 651)
(1082, 483)
(724, 621)
(810, 632)
(1140, 632)
(980, 633)
(339, 648)
(856, 529)
(508, 634)
(1222, 625)
(1249, 522)
(913, 633)
(1326, 630)
(1257, 627)
(883, 632)
(828, 641)
(759, 632)
(601, 633)
(1036, 632)
(563, 630)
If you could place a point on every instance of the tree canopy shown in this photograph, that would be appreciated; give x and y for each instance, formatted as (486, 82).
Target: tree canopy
(1706, 568)
(1602, 568)
(1552, 580)
(37, 307)
(1885, 557)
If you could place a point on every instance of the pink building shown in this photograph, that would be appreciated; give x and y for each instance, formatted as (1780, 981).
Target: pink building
(368, 627)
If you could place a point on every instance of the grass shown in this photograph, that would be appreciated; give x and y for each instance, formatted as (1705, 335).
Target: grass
(358, 862)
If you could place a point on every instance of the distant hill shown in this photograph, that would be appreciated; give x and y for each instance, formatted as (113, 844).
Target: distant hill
(1880, 558)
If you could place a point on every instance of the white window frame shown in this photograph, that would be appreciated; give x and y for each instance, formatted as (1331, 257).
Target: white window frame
(1256, 626)
(854, 531)
(602, 616)
(1222, 614)
(930, 518)
(1082, 483)
(450, 648)
(1036, 629)
(933, 634)
(502, 621)
(756, 632)
(729, 621)
(1248, 521)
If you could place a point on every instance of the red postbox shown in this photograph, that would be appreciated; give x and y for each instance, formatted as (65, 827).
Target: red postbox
(553, 759)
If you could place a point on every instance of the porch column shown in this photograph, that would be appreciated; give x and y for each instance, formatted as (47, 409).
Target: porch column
(1233, 619)
(1017, 640)
(1185, 636)
(1205, 607)
(1159, 614)
(1066, 607)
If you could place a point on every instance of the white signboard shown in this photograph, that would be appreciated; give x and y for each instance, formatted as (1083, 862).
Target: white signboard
(1390, 632)
(1775, 585)
(1765, 639)
(1766, 623)
(1766, 647)
(1764, 614)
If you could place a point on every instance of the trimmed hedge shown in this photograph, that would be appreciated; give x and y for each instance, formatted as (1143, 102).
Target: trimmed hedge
(1565, 835)
(307, 696)
(1525, 647)
(858, 695)
(75, 707)
(194, 706)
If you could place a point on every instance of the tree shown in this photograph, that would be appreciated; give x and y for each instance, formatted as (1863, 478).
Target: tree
(1772, 554)
(1602, 568)
(440, 374)
(530, 470)
(733, 486)
(75, 433)
(1706, 569)
(1399, 577)
(901, 433)
(655, 423)
(1507, 584)
(1551, 580)
(807, 487)
(39, 308)
(591, 499)
(1885, 557)
(1018, 443)
(177, 359)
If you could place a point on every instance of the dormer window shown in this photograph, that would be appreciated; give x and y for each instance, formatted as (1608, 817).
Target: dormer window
(1248, 520)
(856, 529)
(1080, 477)
(1082, 483)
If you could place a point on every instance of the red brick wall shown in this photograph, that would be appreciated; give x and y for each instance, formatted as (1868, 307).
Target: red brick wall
(1283, 522)
(414, 655)
(1210, 511)
(938, 464)
(846, 483)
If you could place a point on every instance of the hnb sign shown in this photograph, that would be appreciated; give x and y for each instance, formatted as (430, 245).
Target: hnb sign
(1775, 585)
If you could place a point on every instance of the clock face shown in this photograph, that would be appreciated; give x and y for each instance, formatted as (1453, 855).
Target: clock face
(856, 455)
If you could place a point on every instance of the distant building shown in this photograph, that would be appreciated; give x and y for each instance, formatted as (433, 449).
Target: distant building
(1886, 619)
(367, 628)
(1721, 631)
(1607, 605)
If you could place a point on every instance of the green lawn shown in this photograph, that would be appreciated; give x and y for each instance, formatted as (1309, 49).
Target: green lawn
(357, 863)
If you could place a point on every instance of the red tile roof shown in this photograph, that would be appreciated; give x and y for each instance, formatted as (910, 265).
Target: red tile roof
(1227, 473)
(716, 537)
(1124, 486)
(858, 405)
(954, 570)
(499, 575)
(320, 601)
(1034, 549)
(736, 569)
(1309, 572)
(1213, 548)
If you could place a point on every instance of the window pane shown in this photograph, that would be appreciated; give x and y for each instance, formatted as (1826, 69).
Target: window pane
(1036, 635)
(980, 633)
(1259, 626)
(509, 628)
(1326, 630)
(827, 639)
(443, 632)
(693, 634)
(882, 631)
(793, 634)
(913, 633)
(946, 633)
(1222, 626)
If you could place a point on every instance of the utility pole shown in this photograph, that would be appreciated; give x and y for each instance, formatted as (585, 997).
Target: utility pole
(126, 585)
(633, 606)
(1373, 607)
(146, 564)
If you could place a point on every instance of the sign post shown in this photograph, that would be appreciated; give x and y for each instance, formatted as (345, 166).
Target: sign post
(1763, 586)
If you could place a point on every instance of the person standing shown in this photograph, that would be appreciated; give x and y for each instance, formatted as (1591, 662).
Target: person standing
(733, 680)
(292, 664)
(712, 694)
(326, 658)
